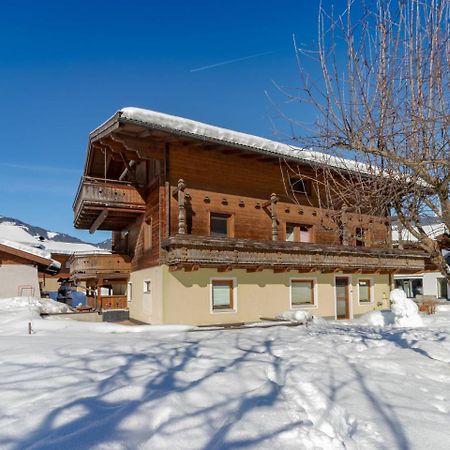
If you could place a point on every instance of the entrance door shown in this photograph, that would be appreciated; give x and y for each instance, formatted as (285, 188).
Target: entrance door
(342, 298)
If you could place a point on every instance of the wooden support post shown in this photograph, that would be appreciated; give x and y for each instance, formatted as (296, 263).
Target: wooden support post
(181, 207)
(273, 215)
(98, 221)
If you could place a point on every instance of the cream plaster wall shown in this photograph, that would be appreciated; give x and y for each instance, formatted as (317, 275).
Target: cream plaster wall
(147, 307)
(185, 297)
(17, 278)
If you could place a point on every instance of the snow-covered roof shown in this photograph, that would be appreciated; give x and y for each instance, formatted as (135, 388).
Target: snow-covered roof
(182, 126)
(49, 264)
(433, 229)
(19, 234)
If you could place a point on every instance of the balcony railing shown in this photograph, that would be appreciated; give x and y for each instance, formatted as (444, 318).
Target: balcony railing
(106, 204)
(190, 252)
(92, 266)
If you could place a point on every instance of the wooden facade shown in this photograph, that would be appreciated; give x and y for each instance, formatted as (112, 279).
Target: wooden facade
(105, 278)
(141, 200)
(195, 207)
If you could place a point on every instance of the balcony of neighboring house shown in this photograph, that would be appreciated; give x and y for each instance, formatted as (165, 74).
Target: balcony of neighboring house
(102, 204)
(292, 249)
(105, 278)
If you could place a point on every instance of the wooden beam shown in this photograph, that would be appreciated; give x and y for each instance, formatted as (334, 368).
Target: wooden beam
(98, 221)
(255, 269)
(281, 269)
(225, 269)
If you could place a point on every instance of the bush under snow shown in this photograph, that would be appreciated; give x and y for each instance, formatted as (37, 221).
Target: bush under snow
(295, 316)
(406, 312)
(377, 318)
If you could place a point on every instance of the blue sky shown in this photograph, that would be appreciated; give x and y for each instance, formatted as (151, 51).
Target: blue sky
(66, 66)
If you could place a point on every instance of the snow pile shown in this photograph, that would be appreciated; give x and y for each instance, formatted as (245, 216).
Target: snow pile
(290, 388)
(39, 305)
(443, 308)
(295, 316)
(377, 318)
(406, 312)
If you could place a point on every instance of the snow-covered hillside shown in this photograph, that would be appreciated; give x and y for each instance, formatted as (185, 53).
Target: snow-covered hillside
(327, 386)
(17, 231)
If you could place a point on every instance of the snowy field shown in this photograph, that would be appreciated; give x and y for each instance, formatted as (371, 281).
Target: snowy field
(74, 385)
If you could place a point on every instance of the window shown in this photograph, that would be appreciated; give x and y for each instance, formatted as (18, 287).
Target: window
(298, 233)
(360, 237)
(442, 288)
(130, 292)
(411, 286)
(299, 185)
(364, 291)
(219, 225)
(222, 295)
(147, 287)
(302, 293)
(148, 234)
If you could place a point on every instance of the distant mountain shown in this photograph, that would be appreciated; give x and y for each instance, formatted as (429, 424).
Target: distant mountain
(105, 245)
(38, 231)
(18, 231)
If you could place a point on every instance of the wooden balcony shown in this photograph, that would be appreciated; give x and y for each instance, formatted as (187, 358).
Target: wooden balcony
(99, 266)
(106, 204)
(191, 252)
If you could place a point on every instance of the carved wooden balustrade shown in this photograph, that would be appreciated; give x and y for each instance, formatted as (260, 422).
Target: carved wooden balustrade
(191, 252)
(106, 204)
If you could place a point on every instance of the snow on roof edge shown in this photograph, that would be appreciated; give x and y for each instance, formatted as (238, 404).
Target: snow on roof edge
(190, 127)
(31, 251)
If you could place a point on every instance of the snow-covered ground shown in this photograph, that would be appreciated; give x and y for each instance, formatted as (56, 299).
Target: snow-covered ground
(76, 385)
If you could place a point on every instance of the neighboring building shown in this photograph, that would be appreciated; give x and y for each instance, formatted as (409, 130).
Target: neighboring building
(19, 269)
(20, 234)
(193, 207)
(429, 283)
(105, 278)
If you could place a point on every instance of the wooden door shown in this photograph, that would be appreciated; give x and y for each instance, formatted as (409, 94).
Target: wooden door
(342, 298)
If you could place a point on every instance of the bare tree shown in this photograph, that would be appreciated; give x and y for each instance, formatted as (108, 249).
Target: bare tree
(383, 102)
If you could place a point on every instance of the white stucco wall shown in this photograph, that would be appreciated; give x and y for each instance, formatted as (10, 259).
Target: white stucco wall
(18, 279)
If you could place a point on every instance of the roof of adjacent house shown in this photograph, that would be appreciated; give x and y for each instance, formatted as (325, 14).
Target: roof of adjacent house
(40, 257)
(214, 134)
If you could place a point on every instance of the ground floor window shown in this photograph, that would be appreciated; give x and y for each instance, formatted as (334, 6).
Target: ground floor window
(411, 286)
(442, 288)
(222, 295)
(302, 293)
(365, 291)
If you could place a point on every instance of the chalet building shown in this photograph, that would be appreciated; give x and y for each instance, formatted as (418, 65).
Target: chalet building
(217, 226)
(20, 268)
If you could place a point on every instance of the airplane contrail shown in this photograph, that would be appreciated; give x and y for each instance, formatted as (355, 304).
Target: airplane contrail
(230, 61)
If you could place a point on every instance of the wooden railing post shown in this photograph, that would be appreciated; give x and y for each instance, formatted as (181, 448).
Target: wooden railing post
(181, 207)
(273, 215)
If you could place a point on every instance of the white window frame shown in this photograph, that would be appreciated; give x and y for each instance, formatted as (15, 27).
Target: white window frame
(145, 287)
(372, 290)
(235, 298)
(129, 292)
(315, 303)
